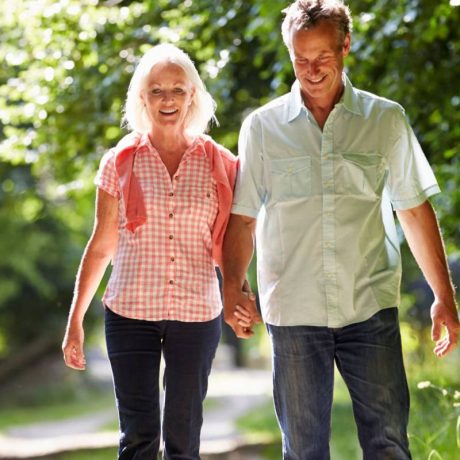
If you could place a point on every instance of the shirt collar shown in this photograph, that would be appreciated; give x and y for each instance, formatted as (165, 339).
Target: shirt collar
(349, 100)
(295, 102)
(196, 147)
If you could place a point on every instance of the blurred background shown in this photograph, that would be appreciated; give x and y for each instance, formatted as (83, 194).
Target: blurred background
(65, 66)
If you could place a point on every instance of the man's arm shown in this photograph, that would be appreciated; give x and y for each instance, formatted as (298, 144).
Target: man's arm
(422, 232)
(238, 249)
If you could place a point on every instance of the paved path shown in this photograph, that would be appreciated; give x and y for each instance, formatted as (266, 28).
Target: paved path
(231, 393)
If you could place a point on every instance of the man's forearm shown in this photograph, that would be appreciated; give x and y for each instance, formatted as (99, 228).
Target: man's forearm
(240, 311)
(424, 238)
(238, 250)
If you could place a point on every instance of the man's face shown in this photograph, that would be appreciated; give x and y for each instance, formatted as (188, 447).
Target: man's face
(317, 57)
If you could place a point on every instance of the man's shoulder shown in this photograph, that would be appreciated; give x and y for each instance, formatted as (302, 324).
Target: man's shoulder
(372, 100)
(272, 109)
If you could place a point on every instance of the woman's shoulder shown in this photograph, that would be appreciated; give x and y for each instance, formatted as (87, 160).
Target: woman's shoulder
(213, 147)
(128, 141)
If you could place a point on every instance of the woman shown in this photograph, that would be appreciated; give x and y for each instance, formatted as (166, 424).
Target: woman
(163, 201)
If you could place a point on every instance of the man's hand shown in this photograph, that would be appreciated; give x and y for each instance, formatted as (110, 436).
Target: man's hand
(240, 311)
(444, 316)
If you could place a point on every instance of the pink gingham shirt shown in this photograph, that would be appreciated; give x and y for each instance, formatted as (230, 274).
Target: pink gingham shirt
(164, 270)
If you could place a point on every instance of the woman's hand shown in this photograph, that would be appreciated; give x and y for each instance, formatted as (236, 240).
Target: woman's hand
(72, 347)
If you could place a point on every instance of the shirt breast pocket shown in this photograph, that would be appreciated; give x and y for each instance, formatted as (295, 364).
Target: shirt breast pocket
(204, 203)
(291, 178)
(359, 173)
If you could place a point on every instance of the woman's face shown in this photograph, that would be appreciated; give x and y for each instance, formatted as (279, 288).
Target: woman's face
(167, 96)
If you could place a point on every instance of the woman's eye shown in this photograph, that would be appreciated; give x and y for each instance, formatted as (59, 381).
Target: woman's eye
(156, 91)
(178, 90)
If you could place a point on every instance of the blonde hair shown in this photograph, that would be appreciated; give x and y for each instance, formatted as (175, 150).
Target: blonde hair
(202, 108)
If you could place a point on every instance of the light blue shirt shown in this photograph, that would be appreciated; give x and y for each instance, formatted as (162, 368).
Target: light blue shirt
(327, 248)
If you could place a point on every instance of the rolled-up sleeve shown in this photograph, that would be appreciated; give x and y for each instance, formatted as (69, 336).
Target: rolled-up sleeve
(410, 180)
(107, 177)
(250, 192)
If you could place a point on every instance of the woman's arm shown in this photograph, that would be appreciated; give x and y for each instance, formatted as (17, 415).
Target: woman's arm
(97, 255)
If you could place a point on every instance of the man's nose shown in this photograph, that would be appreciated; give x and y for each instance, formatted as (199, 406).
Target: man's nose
(312, 68)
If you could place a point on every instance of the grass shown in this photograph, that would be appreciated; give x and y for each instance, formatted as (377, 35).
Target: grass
(57, 410)
(99, 454)
(434, 428)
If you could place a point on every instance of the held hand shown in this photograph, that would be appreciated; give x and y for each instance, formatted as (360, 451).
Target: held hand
(252, 312)
(444, 316)
(72, 347)
(241, 313)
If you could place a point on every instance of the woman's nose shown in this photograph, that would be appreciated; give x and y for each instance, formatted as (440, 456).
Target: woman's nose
(168, 96)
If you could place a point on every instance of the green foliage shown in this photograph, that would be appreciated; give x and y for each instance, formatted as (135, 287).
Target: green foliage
(435, 434)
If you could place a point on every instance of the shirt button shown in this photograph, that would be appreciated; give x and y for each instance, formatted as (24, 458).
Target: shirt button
(172, 259)
(171, 281)
(208, 195)
(171, 193)
(176, 177)
(171, 237)
(171, 215)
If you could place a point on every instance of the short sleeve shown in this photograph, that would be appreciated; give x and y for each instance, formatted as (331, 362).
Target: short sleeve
(410, 180)
(107, 177)
(249, 192)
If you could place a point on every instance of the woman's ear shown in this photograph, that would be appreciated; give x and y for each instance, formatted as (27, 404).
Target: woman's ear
(192, 97)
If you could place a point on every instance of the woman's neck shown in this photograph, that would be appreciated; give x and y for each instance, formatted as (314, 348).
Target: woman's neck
(170, 141)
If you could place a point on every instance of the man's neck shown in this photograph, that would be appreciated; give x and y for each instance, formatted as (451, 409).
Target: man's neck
(320, 108)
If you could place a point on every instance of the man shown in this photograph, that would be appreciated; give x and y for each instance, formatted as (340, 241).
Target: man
(321, 169)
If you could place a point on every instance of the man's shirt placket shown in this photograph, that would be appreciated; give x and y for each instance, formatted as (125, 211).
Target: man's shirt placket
(328, 221)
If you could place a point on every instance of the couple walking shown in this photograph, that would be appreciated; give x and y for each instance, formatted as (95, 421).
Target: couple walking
(320, 170)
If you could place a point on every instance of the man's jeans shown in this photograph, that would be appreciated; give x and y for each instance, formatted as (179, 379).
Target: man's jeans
(369, 358)
(135, 348)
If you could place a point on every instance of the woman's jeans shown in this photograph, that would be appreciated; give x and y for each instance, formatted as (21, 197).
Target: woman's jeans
(135, 348)
(369, 358)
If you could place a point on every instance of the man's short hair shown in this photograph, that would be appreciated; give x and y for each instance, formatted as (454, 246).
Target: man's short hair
(306, 14)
